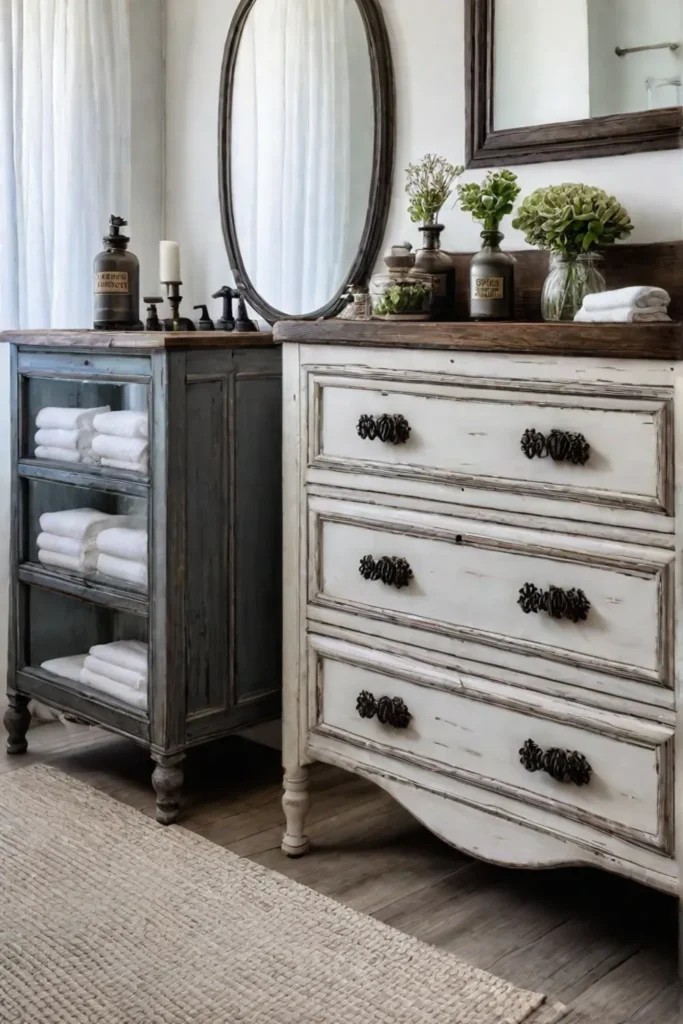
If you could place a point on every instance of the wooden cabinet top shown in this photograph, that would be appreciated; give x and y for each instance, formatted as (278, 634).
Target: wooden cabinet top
(140, 340)
(624, 341)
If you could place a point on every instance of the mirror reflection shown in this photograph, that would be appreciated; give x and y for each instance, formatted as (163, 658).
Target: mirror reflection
(621, 56)
(302, 144)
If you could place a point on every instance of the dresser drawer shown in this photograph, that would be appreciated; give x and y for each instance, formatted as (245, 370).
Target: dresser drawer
(610, 771)
(596, 448)
(601, 605)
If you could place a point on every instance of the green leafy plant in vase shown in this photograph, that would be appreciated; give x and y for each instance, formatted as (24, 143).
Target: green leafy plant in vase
(571, 222)
(492, 272)
(429, 185)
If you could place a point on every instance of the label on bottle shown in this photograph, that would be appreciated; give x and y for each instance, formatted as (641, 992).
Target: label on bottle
(439, 284)
(111, 282)
(489, 287)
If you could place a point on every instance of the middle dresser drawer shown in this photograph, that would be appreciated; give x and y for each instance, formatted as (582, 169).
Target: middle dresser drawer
(604, 606)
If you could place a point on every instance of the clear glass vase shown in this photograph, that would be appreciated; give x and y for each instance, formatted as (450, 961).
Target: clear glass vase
(571, 278)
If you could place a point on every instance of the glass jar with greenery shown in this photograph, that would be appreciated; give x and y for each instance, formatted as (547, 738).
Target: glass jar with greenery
(402, 293)
(492, 271)
(571, 221)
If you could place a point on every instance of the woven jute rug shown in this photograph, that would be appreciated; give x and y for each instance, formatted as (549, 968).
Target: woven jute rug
(108, 918)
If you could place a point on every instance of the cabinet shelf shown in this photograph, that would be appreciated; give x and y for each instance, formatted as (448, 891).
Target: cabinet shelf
(94, 591)
(120, 482)
(85, 703)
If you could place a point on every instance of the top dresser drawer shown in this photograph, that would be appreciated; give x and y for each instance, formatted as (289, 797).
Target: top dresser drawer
(612, 449)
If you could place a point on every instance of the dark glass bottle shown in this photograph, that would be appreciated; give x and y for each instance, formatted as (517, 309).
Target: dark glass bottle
(432, 260)
(492, 281)
(116, 283)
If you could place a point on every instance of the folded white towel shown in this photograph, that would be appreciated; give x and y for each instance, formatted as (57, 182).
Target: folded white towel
(57, 454)
(131, 654)
(66, 668)
(119, 691)
(68, 419)
(124, 543)
(63, 545)
(125, 676)
(639, 297)
(623, 315)
(72, 563)
(80, 523)
(122, 424)
(133, 467)
(124, 449)
(74, 440)
(123, 569)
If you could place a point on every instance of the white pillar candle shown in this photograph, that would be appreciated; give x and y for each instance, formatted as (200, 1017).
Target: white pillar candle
(169, 262)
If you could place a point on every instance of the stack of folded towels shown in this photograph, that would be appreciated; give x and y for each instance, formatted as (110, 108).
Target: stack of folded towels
(119, 669)
(66, 435)
(122, 440)
(122, 553)
(641, 304)
(68, 539)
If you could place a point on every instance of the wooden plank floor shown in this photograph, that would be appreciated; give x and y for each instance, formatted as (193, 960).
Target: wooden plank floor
(604, 946)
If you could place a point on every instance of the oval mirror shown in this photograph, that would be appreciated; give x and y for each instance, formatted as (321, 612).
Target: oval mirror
(305, 151)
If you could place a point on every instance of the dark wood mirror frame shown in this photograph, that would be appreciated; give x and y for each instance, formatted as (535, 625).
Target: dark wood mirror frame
(384, 96)
(565, 140)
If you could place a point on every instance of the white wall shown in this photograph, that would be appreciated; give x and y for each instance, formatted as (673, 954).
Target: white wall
(430, 118)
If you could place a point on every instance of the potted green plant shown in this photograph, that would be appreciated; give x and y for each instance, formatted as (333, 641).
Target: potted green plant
(429, 185)
(492, 272)
(571, 221)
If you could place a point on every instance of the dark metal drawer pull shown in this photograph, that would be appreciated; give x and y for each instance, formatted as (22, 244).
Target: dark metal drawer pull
(561, 765)
(389, 710)
(560, 445)
(394, 572)
(392, 429)
(559, 604)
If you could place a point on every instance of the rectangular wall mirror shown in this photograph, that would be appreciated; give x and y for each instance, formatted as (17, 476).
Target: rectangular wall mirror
(581, 78)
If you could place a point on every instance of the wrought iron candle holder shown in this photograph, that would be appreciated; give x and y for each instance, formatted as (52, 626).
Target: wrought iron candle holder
(176, 322)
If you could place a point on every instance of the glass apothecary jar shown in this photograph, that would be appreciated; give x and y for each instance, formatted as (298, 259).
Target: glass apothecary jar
(570, 279)
(402, 292)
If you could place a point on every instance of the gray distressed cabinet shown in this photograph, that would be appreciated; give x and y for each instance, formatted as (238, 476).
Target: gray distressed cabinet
(212, 502)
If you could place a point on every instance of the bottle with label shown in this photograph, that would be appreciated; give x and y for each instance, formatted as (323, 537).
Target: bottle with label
(492, 281)
(117, 283)
(432, 260)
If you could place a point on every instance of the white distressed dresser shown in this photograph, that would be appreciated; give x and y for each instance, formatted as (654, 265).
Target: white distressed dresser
(481, 535)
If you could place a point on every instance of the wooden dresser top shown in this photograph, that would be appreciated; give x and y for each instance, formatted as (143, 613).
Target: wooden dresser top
(140, 340)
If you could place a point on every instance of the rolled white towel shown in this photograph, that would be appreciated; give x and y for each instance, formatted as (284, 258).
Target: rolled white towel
(122, 569)
(132, 467)
(131, 654)
(126, 423)
(123, 449)
(62, 545)
(72, 563)
(125, 676)
(57, 454)
(66, 668)
(119, 691)
(638, 297)
(624, 315)
(74, 440)
(124, 543)
(68, 419)
(80, 523)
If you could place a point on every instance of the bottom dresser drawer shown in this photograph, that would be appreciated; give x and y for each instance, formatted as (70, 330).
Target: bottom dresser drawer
(609, 771)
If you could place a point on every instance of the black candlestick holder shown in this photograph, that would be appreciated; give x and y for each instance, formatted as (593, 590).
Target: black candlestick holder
(177, 322)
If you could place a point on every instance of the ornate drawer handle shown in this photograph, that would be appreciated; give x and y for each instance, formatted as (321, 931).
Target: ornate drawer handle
(392, 429)
(559, 604)
(561, 765)
(560, 445)
(389, 710)
(394, 572)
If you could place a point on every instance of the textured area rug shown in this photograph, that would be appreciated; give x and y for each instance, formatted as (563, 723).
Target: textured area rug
(108, 918)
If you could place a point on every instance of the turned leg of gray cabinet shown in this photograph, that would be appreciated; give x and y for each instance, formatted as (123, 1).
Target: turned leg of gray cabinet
(17, 720)
(167, 779)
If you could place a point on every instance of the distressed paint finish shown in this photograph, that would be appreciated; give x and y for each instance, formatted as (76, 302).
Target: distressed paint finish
(213, 497)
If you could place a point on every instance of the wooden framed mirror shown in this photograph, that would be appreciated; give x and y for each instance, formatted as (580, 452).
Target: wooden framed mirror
(576, 79)
(306, 151)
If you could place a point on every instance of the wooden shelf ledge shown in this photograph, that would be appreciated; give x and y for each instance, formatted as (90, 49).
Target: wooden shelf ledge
(117, 482)
(83, 588)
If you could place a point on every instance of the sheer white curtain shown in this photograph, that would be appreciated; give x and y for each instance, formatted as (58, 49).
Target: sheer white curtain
(65, 111)
(301, 147)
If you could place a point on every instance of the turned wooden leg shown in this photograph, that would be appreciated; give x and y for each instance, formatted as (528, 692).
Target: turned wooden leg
(167, 779)
(17, 720)
(295, 803)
